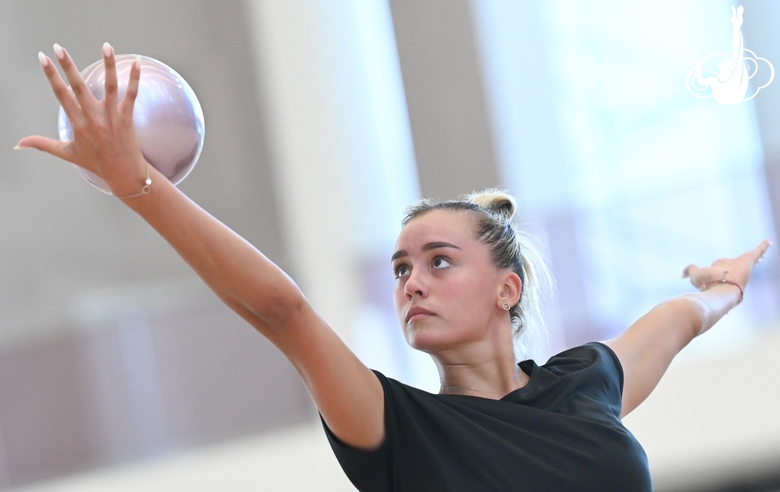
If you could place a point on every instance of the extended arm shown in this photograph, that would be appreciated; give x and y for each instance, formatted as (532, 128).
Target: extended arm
(647, 348)
(347, 394)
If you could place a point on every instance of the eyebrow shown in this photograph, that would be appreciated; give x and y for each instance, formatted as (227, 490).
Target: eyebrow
(426, 247)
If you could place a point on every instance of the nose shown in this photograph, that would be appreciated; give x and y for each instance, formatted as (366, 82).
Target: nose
(415, 284)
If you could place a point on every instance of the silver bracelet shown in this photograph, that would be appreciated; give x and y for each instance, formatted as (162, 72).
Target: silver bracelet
(147, 186)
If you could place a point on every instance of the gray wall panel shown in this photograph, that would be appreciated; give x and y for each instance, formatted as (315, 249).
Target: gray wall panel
(445, 97)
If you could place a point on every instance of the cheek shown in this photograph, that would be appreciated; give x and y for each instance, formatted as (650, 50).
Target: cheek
(461, 287)
(468, 297)
(399, 298)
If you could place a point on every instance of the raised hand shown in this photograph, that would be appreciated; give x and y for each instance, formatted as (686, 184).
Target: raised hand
(104, 138)
(736, 270)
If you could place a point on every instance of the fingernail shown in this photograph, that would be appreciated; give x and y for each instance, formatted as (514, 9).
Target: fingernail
(59, 51)
(19, 147)
(43, 59)
(107, 50)
(137, 62)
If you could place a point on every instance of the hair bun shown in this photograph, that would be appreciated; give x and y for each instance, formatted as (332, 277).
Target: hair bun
(496, 201)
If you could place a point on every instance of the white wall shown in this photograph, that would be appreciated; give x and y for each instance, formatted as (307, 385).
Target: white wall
(714, 419)
(295, 459)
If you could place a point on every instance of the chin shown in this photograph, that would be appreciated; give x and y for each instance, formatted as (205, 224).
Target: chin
(417, 339)
(429, 340)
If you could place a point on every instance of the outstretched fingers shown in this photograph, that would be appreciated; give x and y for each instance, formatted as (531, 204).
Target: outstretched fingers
(739, 269)
(128, 101)
(111, 86)
(689, 271)
(48, 145)
(758, 253)
(61, 92)
(83, 95)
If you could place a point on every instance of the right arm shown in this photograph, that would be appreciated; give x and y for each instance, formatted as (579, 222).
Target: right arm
(347, 394)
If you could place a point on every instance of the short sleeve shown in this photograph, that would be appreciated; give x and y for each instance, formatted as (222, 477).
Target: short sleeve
(368, 470)
(587, 378)
(617, 366)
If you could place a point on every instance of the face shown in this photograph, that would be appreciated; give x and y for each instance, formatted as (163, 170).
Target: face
(447, 290)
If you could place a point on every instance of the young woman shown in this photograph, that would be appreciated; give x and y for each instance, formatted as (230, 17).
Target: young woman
(465, 287)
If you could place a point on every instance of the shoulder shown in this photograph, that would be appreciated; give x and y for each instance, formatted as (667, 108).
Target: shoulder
(407, 411)
(586, 381)
(578, 371)
(396, 389)
(593, 361)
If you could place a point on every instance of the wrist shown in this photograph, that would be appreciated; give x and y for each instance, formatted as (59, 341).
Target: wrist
(140, 184)
(723, 281)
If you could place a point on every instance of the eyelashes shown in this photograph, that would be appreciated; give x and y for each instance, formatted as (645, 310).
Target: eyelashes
(440, 262)
(401, 271)
(437, 263)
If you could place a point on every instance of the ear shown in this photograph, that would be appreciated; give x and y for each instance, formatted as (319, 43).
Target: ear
(511, 289)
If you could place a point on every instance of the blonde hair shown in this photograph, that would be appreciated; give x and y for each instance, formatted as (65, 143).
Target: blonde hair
(513, 248)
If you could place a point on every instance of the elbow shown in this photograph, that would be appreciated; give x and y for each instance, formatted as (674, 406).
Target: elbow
(279, 309)
(692, 314)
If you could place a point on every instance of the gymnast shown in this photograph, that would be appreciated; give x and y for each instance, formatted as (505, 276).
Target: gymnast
(466, 289)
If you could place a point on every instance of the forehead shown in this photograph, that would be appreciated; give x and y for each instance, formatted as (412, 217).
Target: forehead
(455, 226)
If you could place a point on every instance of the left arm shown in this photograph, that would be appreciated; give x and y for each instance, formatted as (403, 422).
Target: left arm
(647, 348)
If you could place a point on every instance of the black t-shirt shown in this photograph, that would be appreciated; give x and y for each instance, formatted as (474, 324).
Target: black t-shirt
(560, 432)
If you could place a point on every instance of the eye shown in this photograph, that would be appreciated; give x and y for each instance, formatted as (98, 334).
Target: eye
(401, 271)
(440, 262)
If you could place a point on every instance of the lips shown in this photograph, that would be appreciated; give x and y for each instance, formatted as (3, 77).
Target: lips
(417, 310)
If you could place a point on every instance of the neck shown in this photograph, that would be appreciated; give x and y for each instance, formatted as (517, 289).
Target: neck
(488, 372)
(447, 389)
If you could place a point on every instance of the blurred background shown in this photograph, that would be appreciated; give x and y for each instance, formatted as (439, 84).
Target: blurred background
(324, 119)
